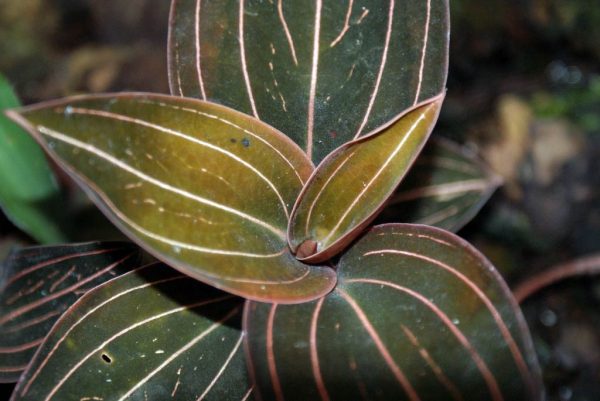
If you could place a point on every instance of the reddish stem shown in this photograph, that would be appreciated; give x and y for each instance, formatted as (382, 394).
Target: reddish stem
(585, 266)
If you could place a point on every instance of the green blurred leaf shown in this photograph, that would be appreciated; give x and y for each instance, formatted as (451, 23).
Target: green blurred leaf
(350, 186)
(418, 314)
(28, 189)
(204, 188)
(152, 334)
(323, 72)
(38, 284)
(446, 187)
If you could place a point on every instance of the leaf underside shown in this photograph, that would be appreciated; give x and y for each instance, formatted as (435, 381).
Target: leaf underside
(350, 186)
(152, 334)
(418, 314)
(38, 284)
(446, 187)
(323, 72)
(204, 188)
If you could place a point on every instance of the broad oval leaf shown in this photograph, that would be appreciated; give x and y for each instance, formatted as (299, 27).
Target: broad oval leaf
(152, 334)
(446, 187)
(38, 284)
(202, 187)
(28, 188)
(418, 314)
(351, 185)
(324, 71)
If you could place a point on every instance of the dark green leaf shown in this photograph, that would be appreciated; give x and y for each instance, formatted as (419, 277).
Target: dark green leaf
(351, 184)
(324, 72)
(446, 187)
(152, 334)
(418, 314)
(38, 284)
(204, 188)
(27, 183)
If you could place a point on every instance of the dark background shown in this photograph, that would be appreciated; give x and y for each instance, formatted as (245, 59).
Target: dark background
(523, 90)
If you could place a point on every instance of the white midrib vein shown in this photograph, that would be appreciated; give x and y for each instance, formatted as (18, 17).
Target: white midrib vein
(423, 52)
(191, 247)
(111, 159)
(159, 128)
(132, 327)
(386, 47)
(198, 64)
(231, 124)
(379, 172)
(313, 81)
(243, 60)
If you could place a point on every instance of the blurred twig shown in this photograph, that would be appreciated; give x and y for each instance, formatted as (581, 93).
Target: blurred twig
(585, 266)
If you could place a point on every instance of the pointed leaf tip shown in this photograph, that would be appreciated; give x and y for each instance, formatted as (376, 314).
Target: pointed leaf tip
(206, 189)
(351, 185)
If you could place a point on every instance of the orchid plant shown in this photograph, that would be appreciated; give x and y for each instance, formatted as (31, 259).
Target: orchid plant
(271, 281)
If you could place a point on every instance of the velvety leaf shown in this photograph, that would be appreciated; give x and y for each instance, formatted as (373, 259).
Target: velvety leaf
(27, 184)
(152, 334)
(204, 188)
(418, 314)
(324, 72)
(38, 284)
(446, 187)
(350, 186)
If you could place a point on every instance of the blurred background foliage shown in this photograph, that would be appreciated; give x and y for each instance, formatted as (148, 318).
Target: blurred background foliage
(523, 91)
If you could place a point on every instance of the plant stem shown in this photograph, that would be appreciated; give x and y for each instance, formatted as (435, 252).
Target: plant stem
(584, 266)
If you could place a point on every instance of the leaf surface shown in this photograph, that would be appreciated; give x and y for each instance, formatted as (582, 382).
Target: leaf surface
(418, 314)
(38, 284)
(150, 334)
(323, 72)
(27, 185)
(350, 186)
(446, 187)
(204, 188)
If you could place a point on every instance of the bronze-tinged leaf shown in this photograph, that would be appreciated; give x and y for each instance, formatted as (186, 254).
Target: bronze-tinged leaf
(418, 314)
(204, 188)
(446, 187)
(323, 72)
(152, 334)
(351, 185)
(38, 284)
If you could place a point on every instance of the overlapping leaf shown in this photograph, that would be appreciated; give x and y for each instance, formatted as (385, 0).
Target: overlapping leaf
(204, 188)
(418, 314)
(28, 189)
(152, 334)
(324, 72)
(38, 284)
(445, 188)
(350, 185)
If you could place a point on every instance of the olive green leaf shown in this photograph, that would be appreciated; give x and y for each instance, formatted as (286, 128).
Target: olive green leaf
(446, 187)
(323, 72)
(152, 334)
(418, 314)
(350, 186)
(204, 188)
(28, 188)
(38, 284)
